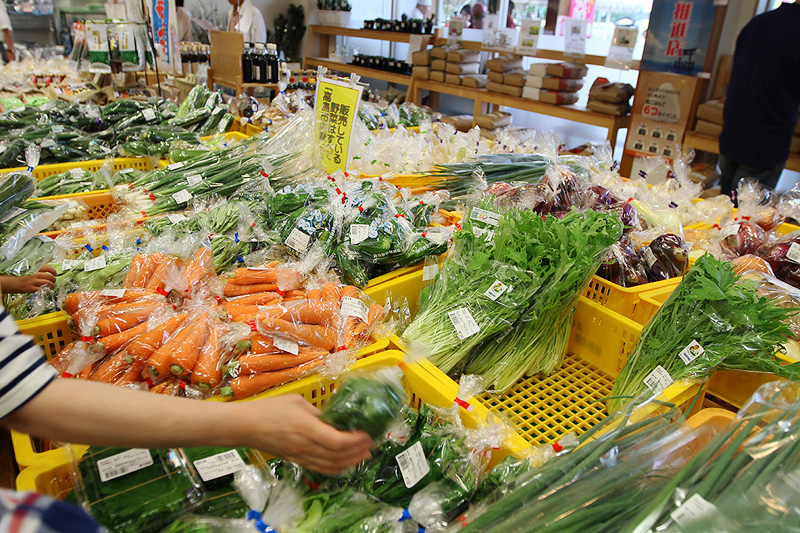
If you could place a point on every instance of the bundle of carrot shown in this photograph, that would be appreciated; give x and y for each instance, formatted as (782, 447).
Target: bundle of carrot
(293, 331)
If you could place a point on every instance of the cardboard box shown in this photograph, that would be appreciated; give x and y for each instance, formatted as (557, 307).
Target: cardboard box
(553, 83)
(550, 97)
(617, 109)
(437, 75)
(567, 70)
(463, 68)
(708, 128)
(464, 56)
(494, 120)
(516, 79)
(453, 79)
(495, 75)
(476, 81)
(421, 73)
(505, 63)
(711, 111)
(421, 58)
(438, 64)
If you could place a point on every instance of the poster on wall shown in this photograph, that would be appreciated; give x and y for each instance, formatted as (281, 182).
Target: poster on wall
(678, 36)
(660, 114)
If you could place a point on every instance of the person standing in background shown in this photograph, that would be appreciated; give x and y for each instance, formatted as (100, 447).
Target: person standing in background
(247, 20)
(421, 10)
(510, 16)
(184, 22)
(478, 13)
(762, 99)
(466, 14)
(5, 25)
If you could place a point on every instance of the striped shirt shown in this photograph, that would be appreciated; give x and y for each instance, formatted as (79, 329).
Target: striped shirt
(23, 369)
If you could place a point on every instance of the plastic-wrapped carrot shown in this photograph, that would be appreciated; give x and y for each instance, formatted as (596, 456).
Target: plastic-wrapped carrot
(115, 341)
(314, 294)
(255, 363)
(179, 354)
(320, 336)
(360, 331)
(294, 295)
(77, 300)
(244, 386)
(307, 312)
(247, 276)
(331, 292)
(167, 386)
(260, 298)
(158, 279)
(133, 271)
(206, 373)
(262, 344)
(149, 266)
(60, 361)
(127, 319)
(144, 345)
(232, 289)
(200, 266)
(350, 292)
(112, 368)
(242, 313)
(132, 374)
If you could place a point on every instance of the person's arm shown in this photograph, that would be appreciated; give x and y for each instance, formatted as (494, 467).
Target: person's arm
(45, 277)
(94, 413)
(11, 54)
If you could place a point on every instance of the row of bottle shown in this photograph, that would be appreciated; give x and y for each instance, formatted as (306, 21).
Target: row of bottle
(260, 63)
(193, 55)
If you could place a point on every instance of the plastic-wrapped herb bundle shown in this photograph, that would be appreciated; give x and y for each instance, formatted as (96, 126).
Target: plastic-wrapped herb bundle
(564, 253)
(711, 320)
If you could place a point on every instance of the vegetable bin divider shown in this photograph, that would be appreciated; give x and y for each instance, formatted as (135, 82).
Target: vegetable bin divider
(93, 165)
(624, 300)
(50, 474)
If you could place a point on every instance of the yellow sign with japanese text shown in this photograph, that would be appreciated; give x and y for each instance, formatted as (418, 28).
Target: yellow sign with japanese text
(336, 106)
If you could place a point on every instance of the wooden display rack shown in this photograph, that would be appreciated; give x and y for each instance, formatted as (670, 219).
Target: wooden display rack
(226, 63)
(708, 143)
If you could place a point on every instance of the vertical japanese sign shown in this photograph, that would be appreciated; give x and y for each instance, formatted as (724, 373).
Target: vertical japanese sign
(660, 113)
(678, 36)
(336, 106)
(160, 14)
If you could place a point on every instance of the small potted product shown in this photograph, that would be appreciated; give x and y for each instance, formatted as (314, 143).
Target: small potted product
(333, 12)
(429, 24)
(415, 26)
(369, 24)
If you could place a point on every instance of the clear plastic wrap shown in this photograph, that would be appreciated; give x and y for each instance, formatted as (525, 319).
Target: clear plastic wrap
(783, 255)
(757, 204)
(623, 265)
(665, 257)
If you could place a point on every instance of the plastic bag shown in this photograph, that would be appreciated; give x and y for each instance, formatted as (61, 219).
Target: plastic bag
(757, 204)
(783, 255)
(665, 257)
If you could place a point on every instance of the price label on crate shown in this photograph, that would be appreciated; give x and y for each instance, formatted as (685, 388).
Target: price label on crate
(354, 307)
(175, 166)
(69, 264)
(413, 464)
(123, 463)
(691, 352)
(94, 264)
(692, 509)
(727, 231)
(221, 464)
(148, 114)
(286, 345)
(76, 172)
(429, 272)
(298, 241)
(649, 256)
(116, 293)
(463, 322)
(658, 380)
(793, 253)
(193, 179)
(496, 290)
(487, 217)
(182, 197)
(358, 232)
(176, 217)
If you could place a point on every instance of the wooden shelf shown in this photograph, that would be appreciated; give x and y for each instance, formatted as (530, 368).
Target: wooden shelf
(392, 36)
(391, 77)
(448, 88)
(709, 143)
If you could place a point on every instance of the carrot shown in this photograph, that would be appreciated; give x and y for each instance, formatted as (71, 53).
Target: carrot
(259, 298)
(321, 336)
(98, 313)
(76, 300)
(244, 386)
(347, 333)
(133, 271)
(206, 372)
(261, 344)
(112, 368)
(246, 276)
(165, 387)
(123, 321)
(307, 312)
(148, 267)
(242, 313)
(116, 341)
(350, 291)
(60, 361)
(294, 295)
(237, 290)
(374, 315)
(144, 345)
(157, 280)
(255, 364)
(199, 267)
(132, 374)
(331, 292)
(180, 351)
(314, 294)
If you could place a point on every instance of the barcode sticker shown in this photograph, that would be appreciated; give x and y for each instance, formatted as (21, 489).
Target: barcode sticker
(286, 345)
(463, 322)
(182, 197)
(649, 256)
(691, 352)
(175, 166)
(76, 172)
(13, 212)
(793, 253)
(482, 215)
(123, 463)
(658, 380)
(148, 114)
(692, 509)
(94, 264)
(358, 232)
(116, 293)
(429, 272)
(125, 171)
(354, 307)
(176, 217)
(193, 179)
(496, 290)
(69, 264)
(727, 231)
(221, 464)
(297, 240)
(413, 464)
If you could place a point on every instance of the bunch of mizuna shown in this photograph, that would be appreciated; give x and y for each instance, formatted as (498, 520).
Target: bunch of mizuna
(503, 303)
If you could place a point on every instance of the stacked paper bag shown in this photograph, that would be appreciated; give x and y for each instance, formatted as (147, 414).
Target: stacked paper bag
(554, 83)
(422, 64)
(490, 123)
(459, 63)
(610, 98)
(505, 74)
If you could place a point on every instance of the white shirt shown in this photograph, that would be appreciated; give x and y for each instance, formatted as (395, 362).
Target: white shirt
(5, 22)
(184, 24)
(251, 23)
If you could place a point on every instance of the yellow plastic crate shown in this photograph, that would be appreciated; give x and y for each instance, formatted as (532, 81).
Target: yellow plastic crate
(50, 475)
(624, 300)
(786, 229)
(403, 180)
(92, 165)
(544, 409)
(402, 283)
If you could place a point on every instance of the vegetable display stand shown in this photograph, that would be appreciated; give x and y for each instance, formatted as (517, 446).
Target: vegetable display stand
(50, 474)
(251, 129)
(99, 204)
(42, 171)
(731, 386)
(404, 283)
(624, 300)
(544, 409)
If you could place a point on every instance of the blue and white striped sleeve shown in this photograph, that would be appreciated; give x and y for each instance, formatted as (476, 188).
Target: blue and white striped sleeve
(23, 369)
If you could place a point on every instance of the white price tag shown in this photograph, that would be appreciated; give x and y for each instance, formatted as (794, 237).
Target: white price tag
(94, 264)
(193, 179)
(286, 345)
(691, 352)
(649, 256)
(69, 264)
(176, 217)
(463, 322)
(435, 238)
(13, 212)
(221, 464)
(116, 293)
(123, 463)
(125, 171)
(358, 232)
(182, 197)
(496, 290)
(354, 307)
(793, 253)
(148, 114)
(692, 509)
(413, 464)
(658, 380)
(76, 172)
(297, 240)
(429, 272)
(483, 215)
(175, 166)
(727, 231)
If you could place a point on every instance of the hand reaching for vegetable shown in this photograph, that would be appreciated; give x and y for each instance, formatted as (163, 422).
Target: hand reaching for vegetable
(45, 277)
